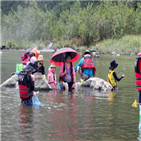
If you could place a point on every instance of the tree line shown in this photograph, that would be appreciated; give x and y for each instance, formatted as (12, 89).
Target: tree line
(80, 23)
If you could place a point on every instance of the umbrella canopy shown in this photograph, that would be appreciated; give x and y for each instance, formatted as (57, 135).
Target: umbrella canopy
(59, 56)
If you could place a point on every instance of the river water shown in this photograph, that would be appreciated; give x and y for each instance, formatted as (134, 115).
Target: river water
(89, 115)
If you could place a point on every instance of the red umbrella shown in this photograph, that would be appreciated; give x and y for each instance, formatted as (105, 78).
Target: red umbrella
(59, 56)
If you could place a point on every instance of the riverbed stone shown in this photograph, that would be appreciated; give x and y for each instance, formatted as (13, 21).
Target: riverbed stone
(97, 84)
(39, 83)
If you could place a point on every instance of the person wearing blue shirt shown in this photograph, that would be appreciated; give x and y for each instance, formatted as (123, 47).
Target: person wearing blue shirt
(85, 68)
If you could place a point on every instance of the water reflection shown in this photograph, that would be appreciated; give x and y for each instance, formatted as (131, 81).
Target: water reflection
(25, 122)
(112, 96)
(62, 118)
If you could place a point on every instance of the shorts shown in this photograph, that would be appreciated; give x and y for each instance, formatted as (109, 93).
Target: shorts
(70, 85)
(27, 102)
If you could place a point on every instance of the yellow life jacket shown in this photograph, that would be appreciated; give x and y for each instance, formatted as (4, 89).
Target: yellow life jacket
(111, 78)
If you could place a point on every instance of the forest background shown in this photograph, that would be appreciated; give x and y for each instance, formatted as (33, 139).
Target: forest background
(102, 25)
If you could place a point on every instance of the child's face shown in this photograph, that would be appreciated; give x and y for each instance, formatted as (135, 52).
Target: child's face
(53, 69)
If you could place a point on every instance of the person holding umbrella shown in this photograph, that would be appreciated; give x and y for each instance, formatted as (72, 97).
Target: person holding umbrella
(64, 57)
(67, 73)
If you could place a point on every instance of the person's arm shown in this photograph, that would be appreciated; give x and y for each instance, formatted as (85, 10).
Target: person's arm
(61, 73)
(30, 82)
(43, 73)
(79, 64)
(116, 77)
(74, 81)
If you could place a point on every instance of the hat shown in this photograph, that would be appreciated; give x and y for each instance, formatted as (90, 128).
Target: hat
(29, 67)
(87, 52)
(33, 59)
(52, 65)
(40, 58)
(113, 65)
(36, 52)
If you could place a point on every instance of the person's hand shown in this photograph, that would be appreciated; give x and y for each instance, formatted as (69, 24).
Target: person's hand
(123, 75)
(33, 77)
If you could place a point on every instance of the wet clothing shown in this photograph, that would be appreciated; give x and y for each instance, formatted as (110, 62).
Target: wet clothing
(27, 102)
(26, 87)
(41, 69)
(88, 72)
(70, 85)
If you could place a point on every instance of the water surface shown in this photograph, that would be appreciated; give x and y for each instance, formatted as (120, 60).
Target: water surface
(89, 115)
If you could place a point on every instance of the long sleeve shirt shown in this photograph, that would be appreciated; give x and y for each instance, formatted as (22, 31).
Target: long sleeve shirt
(116, 77)
(88, 72)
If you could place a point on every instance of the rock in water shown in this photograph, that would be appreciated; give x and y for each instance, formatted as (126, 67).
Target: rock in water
(39, 83)
(97, 84)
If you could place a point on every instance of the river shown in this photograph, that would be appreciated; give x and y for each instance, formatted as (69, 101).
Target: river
(89, 115)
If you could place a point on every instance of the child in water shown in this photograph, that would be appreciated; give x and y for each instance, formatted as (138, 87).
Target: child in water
(52, 77)
(112, 76)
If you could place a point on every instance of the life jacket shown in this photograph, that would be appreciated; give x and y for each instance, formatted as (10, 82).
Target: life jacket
(88, 63)
(137, 73)
(26, 57)
(24, 89)
(52, 77)
(111, 78)
(72, 78)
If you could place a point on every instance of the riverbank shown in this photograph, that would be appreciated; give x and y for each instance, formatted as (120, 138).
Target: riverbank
(127, 45)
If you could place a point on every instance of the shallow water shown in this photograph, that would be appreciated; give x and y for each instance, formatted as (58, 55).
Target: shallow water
(89, 115)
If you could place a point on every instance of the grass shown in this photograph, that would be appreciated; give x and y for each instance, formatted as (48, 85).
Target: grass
(127, 45)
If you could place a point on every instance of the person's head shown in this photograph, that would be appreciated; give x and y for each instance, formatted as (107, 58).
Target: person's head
(86, 52)
(29, 68)
(68, 57)
(113, 65)
(33, 59)
(40, 61)
(53, 67)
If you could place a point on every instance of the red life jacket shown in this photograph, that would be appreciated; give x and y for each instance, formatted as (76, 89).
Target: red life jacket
(88, 63)
(137, 73)
(72, 78)
(24, 89)
(26, 57)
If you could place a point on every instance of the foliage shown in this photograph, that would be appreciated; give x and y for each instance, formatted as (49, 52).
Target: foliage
(71, 23)
(129, 44)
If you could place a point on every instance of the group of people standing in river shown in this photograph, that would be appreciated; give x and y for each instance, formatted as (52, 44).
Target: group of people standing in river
(33, 62)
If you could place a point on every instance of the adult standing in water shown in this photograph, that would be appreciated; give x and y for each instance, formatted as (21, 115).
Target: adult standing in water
(112, 76)
(85, 68)
(26, 85)
(67, 74)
